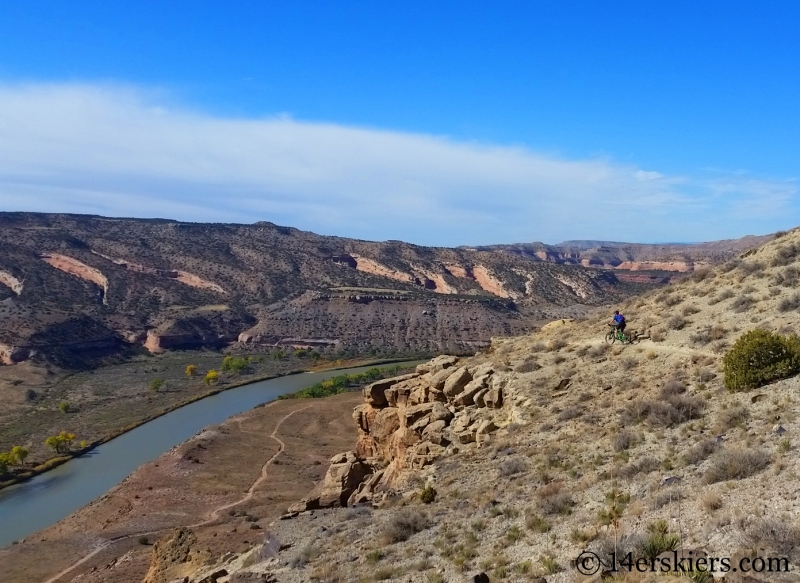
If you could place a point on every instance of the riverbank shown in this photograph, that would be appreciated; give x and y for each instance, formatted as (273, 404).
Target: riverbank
(187, 485)
(37, 469)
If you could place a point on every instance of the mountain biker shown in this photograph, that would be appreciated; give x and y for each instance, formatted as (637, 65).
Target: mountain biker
(618, 322)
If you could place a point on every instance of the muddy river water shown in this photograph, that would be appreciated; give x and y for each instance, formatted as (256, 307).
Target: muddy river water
(54, 495)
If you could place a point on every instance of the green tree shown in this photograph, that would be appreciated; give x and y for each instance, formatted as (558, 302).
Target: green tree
(63, 407)
(156, 384)
(211, 377)
(18, 454)
(5, 461)
(235, 365)
(190, 370)
(60, 443)
(759, 357)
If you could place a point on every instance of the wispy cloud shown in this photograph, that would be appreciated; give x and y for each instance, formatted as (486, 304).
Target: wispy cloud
(129, 152)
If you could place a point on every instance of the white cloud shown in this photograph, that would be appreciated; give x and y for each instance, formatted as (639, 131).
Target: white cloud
(128, 152)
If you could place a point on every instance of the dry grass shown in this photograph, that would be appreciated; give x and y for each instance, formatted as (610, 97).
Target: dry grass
(512, 466)
(700, 451)
(735, 464)
(403, 526)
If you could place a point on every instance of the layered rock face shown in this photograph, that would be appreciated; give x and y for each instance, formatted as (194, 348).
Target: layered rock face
(407, 422)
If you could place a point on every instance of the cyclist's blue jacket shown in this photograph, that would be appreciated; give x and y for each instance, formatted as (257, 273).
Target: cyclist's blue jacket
(619, 318)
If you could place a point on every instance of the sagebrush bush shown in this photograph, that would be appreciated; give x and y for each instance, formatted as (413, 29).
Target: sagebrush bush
(786, 255)
(700, 451)
(403, 526)
(759, 357)
(736, 464)
(790, 303)
(512, 466)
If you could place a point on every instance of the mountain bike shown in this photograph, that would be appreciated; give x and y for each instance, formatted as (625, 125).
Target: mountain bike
(615, 335)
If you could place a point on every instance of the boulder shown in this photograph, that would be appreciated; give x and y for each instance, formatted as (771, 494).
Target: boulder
(440, 413)
(434, 432)
(464, 436)
(416, 412)
(437, 364)
(456, 382)
(374, 393)
(478, 398)
(366, 489)
(425, 453)
(486, 426)
(486, 368)
(462, 421)
(386, 422)
(466, 396)
(437, 380)
(344, 476)
(494, 396)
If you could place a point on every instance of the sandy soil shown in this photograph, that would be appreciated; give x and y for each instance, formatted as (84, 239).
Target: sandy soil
(226, 482)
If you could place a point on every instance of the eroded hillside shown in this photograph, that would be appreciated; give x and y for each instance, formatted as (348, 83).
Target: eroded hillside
(515, 461)
(74, 288)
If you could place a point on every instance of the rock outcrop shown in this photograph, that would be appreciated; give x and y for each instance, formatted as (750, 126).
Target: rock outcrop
(406, 423)
(175, 556)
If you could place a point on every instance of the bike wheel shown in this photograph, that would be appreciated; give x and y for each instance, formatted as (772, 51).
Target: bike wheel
(611, 337)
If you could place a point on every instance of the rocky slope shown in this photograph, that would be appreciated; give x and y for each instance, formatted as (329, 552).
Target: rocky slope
(514, 462)
(78, 288)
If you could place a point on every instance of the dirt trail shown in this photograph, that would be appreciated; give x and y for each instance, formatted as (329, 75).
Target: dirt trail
(213, 515)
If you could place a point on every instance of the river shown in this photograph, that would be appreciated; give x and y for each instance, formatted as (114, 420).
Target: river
(54, 495)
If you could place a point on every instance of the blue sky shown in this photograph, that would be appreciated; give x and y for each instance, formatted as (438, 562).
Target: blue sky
(438, 123)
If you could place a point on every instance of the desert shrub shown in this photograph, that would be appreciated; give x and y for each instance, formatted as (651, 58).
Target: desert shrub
(742, 303)
(749, 268)
(570, 413)
(666, 497)
(582, 350)
(735, 464)
(705, 375)
(671, 300)
(556, 344)
(772, 534)
(676, 323)
(708, 333)
(403, 526)
(700, 451)
(780, 234)
(733, 417)
(659, 540)
(427, 495)
(729, 265)
(657, 335)
(671, 388)
(700, 274)
(623, 440)
(553, 501)
(512, 466)
(536, 523)
(597, 351)
(786, 255)
(788, 304)
(759, 357)
(538, 347)
(689, 310)
(645, 465)
(667, 412)
(528, 365)
(629, 363)
(788, 277)
(723, 295)
(712, 501)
